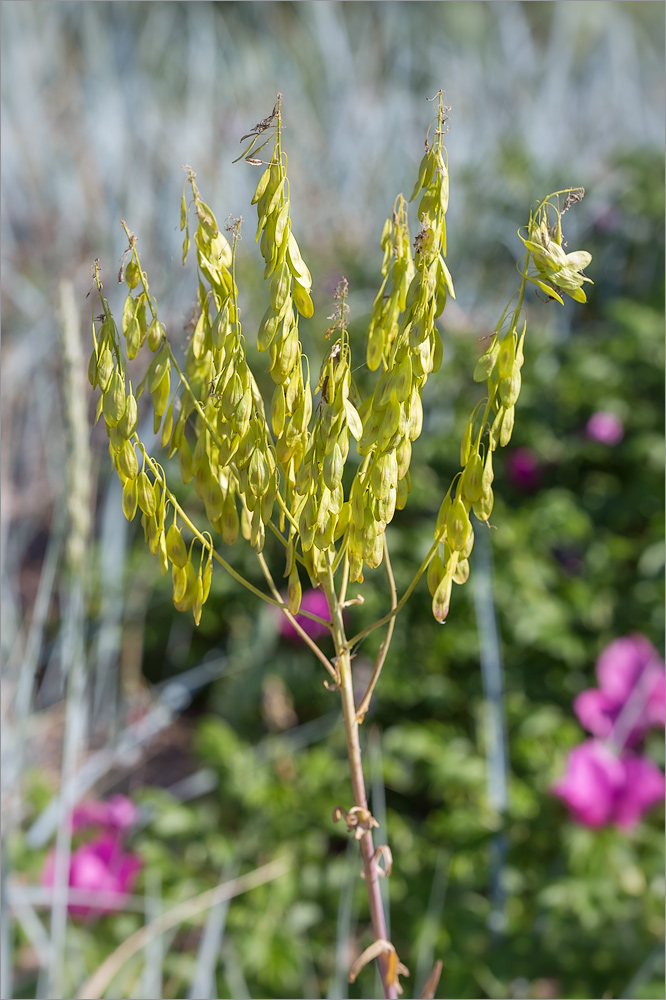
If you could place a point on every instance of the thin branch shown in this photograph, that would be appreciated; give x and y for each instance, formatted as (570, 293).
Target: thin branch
(299, 628)
(384, 648)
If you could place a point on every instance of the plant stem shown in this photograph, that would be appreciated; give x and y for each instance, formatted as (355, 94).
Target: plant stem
(356, 773)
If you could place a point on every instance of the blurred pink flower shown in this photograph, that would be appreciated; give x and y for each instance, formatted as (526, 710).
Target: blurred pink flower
(601, 788)
(630, 698)
(523, 469)
(100, 866)
(315, 602)
(118, 812)
(605, 428)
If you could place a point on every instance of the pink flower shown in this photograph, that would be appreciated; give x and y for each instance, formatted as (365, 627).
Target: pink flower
(523, 469)
(630, 698)
(118, 812)
(605, 428)
(99, 867)
(600, 787)
(315, 602)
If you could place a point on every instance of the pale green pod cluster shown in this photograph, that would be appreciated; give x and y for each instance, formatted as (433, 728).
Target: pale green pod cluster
(491, 422)
(317, 500)
(231, 462)
(404, 338)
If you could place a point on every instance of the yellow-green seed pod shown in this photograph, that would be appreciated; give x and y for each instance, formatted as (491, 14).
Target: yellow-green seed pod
(175, 546)
(114, 402)
(509, 388)
(267, 329)
(281, 224)
(257, 532)
(160, 400)
(279, 287)
(486, 363)
(278, 410)
(146, 495)
(185, 461)
(404, 457)
(258, 474)
(198, 601)
(375, 556)
(466, 443)
(368, 534)
(179, 580)
(444, 509)
(297, 265)
(189, 594)
(129, 420)
(356, 501)
(471, 482)
(415, 415)
(442, 598)
(376, 343)
(160, 367)
(213, 499)
(389, 425)
(302, 299)
(457, 521)
(294, 590)
(156, 332)
(466, 550)
(483, 507)
(403, 382)
(133, 338)
(383, 509)
(507, 426)
(403, 490)
(384, 475)
(267, 501)
(461, 572)
(153, 533)
(167, 426)
(105, 369)
(207, 578)
(230, 520)
(162, 554)
(127, 462)
(507, 355)
(261, 186)
(488, 474)
(132, 274)
(130, 498)
(333, 467)
(436, 573)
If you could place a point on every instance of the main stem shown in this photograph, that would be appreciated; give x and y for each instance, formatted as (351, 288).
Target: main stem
(356, 774)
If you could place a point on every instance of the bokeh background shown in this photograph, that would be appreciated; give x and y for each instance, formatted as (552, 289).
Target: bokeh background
(224, 736)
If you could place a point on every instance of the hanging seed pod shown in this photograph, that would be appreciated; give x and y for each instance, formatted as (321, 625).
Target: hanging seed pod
(114, 401)
(198, 601)
(442, 598)
(333, 467)
(483, 507)
(207, 577)
(179, 581)
(185, 602)
(160, 400)
(507, 426)
(185, 461)
(127, 462)
(159, 368)
(471, 482)
(162, 557)
(230, 520)
(457, 521)
(278, 410)
(130, 498)
(302, 299)
(105, 369)
(146, 495)
(403, 490)
(294, 591)
(486, 363)
(156, 333)
(509, 388)
(128, 422)
(279, 287)
(461, 572)
(175, 546)
(435, 574)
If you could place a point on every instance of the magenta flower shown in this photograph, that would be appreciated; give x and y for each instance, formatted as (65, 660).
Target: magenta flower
(605, 428)
(118, 812)
(523, 469)
(600, 787)
(315, 602)
(630, 697)
(100, 866)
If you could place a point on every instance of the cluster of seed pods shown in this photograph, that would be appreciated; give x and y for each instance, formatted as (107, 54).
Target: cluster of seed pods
(241, 462)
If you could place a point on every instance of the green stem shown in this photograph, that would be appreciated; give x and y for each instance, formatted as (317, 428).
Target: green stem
(343, 660)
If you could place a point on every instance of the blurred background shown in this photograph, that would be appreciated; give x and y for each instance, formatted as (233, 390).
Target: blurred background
(221, 744)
